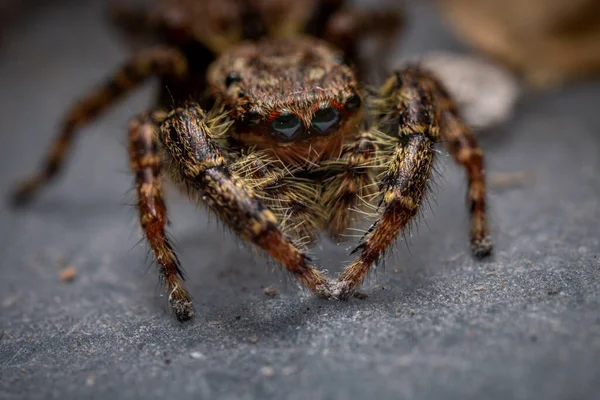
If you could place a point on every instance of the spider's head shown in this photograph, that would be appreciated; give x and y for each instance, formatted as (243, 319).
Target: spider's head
(290, 95)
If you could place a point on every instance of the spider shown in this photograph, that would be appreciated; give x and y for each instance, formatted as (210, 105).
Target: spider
(264, 120)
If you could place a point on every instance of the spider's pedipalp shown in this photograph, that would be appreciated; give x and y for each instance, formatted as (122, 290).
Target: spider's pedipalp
(348, 192)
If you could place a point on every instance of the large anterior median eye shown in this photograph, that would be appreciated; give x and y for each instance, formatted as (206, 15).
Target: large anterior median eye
(325, 121)
(286, 127)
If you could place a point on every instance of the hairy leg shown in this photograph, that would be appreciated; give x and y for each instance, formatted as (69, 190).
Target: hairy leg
(135, 20)
(321, 14)
(411, 120)
(201, 166)
(146, 162)
(350, 190)
(462, 145)
(157, 61)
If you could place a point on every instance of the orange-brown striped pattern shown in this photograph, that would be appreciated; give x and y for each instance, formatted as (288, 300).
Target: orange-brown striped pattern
(146, 162)
(462, 145)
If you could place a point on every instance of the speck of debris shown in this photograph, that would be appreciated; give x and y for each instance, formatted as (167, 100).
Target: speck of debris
(267, 371)
(533, 338)
(68, 274)
(11, 300)
(253, 339)
(167, 361)
(509, 180)
(270, 291)
(197, 355)
(481, 288)
(238, 317)
(398, 270)
(412, 313)
(289, 370)
(90, 380)
(454, 257)
(553, 292)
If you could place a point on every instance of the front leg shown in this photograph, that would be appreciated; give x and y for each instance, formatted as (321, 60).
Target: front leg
(407, 112)
(202, 168)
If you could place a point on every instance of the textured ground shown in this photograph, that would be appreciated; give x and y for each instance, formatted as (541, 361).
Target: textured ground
(436, 324)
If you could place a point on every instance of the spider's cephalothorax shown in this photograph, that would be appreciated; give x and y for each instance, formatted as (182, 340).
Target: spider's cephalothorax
(290, 96)
(275, 136)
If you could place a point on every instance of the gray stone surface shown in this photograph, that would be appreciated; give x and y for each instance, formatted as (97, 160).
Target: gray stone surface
(436, 324)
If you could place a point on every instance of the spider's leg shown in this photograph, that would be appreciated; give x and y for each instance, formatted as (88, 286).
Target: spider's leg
(146, 162)
(321, 14)
(462, 145)
(147, 63)
(407, 112)
(351, 189)
(135, 20)
(201, 166)
(348, 27)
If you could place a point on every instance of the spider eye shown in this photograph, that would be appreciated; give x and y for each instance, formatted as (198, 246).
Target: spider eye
(286, 127)
(231, 78)
(353, 102)
(252, 118)
(325, 121)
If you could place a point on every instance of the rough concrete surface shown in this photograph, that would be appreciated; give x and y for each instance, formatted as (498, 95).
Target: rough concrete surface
(436, 324)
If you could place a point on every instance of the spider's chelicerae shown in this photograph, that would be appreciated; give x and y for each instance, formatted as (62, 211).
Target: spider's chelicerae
(263, 119)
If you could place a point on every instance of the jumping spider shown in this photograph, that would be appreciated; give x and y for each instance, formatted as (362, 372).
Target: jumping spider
(264, 121)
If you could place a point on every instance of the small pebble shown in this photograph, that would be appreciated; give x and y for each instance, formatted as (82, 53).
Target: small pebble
(197, 355)
(68, 274)
(267, 371)
(270, 291)
(90, 380)
(289, 370)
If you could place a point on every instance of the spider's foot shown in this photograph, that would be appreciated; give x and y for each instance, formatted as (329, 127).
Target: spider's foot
(181, 304)
(321, 286)
(343, 290)
(23, 194)
(482, 248)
